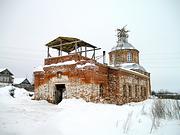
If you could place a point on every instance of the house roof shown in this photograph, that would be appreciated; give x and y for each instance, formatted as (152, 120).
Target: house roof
(18, 80)
(67, 44)
(3, 69)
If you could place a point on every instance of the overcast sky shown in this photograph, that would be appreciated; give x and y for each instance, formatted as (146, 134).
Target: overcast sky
(27, 25)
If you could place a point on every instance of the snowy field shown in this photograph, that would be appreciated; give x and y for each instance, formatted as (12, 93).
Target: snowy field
(23, 116)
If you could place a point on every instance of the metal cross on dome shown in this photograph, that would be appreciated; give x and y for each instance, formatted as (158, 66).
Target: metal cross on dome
(122, 33)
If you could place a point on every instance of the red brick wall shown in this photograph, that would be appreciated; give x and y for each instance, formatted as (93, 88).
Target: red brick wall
(55, 60)
(99, 74)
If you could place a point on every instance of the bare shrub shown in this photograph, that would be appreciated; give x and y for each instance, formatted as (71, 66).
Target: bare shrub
(164, 109)
(127, 122)
(176, 108)
(11, 92)
(143, 112)
(169, 113)
(158, 109)
(157, 113)
(155, 123)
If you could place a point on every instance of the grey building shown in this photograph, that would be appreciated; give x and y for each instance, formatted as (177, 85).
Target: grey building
(6, 77)
(23, 83)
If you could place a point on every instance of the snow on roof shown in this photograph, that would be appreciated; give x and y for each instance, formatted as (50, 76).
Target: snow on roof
(18, 80)
(62, 63)
(123, 45)
(132, 66)
(2, 69)
(38, 68)
(129, 70)
(70, 63)
(85, 65)
(132, 71)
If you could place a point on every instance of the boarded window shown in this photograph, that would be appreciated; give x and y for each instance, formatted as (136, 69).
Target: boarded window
(136, 91)
(142, 91)
(101, 89)
(124, 91)
(145, 92)
(130, 91)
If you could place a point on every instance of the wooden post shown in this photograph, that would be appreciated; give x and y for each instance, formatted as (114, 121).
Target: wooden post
(60, 47)
(85, 51)
(48, 52)
(75, 47)
(61, 50)
(94, 54)
(104, 57)
(59, 53)
(81, 50)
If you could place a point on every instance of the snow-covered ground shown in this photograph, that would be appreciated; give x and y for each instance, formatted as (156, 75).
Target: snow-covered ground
(23, 116)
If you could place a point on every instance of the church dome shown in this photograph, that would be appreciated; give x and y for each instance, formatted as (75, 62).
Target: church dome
(123, 45)
(123, 52)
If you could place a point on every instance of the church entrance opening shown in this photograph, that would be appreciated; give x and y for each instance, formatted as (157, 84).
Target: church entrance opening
(59, 89)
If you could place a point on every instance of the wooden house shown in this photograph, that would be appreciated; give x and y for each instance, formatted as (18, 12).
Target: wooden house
(6, 77)
(23, 83)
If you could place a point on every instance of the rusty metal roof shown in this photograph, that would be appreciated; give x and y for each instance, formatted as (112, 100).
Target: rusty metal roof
(67, 44)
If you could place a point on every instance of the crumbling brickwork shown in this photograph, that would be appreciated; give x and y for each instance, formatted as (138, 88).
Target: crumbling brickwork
(77, 76)
(90, 80)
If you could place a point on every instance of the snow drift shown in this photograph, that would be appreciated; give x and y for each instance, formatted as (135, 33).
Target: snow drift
(22, 116)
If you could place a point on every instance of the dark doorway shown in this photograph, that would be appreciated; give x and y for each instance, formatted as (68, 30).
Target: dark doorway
(60, 88)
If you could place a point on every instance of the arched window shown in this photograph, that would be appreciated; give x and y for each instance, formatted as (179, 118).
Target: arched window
(124, 91)
(101, 90)
(145, 94)
(136, 91)
(142, 91)
(130, 91)
(129, 57)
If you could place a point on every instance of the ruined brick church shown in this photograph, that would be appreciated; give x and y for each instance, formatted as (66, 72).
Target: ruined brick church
(75, 73)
